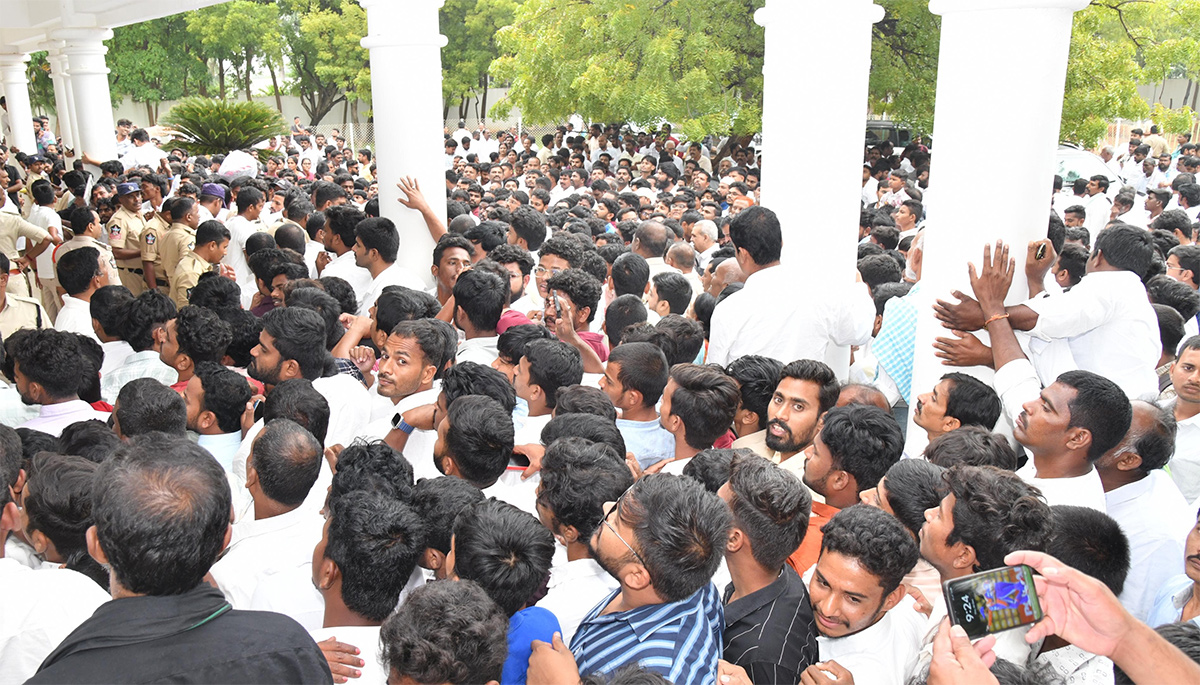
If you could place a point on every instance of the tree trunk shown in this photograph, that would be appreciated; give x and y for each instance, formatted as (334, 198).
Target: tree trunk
(221, 76)
(345, 110)
(150, 113)
(248, 69)
(464, 106)
(275, 87)
(483, 98)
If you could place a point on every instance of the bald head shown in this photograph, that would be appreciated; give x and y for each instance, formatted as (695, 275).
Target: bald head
(858, 393)
(727, 272)
(682, 257)
(286, 459)
(291, 236)
(650, 239)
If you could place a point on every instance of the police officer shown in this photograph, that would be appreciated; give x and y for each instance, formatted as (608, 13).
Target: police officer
(17, 312)
(37, 239)
(151, 245)
(181, 237)
(125, 230)
(212, 239)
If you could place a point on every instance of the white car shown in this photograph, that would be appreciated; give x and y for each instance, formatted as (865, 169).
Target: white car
(1073, 163)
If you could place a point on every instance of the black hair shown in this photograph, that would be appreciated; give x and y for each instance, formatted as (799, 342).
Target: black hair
(372, 466)
(397, 303)
(109, 305)
(1184, 635)
(711, 467)
(1100, 407)
(578, 477)
(287, 459)
(1092, 542)
(877, 541)
(590, 427)
(514, 340)
(212, 231)
(379, 233)
(438, 502)
(213, 292)
(479, 438)
(341, 220)
(770, 506)
(584, 399)
(680, 531)
(1179, 296)
(553, 364)
(674, 289)
(12, 459)
(1126, 247)
(1073, 258)
(817, 372)
(375, 541)
(529, 225)
(92, 439)
(201, 334)
(51, 358)
(971, 401)
(298, 401)
(914, 486)
(446, 632)
(756, 377)
(564, 246)
(299, 334)
(512, 254)
(471, 378)
(245, 328)
(687, 335)
(995, 513)
(622, 312)
(643, 367)
(161, 510)
(481, 296)
(974, 446)
(148, 311)
(583, 289)
(705, 399)
(226, 393)
(77, 268)
(756, 230)
(58, 503)
(879, 269)
(1170, 328)
(630, 274)
(503, 549)
(864, 441)
(147, 406)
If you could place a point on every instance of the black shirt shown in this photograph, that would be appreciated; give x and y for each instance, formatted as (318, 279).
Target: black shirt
(194, 637)
(771, 632)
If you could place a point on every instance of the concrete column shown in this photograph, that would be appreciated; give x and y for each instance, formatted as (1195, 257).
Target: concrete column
(16, 98)
(831, 63)
(62, 102)
(997, 57)
(85, 50)
(406, 87)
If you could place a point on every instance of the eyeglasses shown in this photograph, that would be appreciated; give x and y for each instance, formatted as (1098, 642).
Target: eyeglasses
(617, 508)
(540, 270)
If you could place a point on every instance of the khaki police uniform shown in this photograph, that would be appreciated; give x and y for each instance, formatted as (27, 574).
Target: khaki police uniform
(13, 227)
(151, 246)
(21, 312)
(175, 244)
(125, 232)
(109, 263)
(187, 275)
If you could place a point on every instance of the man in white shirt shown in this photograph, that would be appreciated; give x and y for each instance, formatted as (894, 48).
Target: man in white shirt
(41, 606)
(250, 203)
(376, 243)
(866, 623)
(80, 274)
(339, 238)
(1185, 378)
(757, 320)
(479, 299)
(282, 468)
(1147, 505)
(704, 240)
(47, 373)
(1097, 204)
(216, 399)
(578, 477)
(547, 367)
(144, 153)
(43, 216)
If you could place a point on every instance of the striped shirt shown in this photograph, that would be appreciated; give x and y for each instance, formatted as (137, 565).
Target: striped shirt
(771, 632)
(681, 640)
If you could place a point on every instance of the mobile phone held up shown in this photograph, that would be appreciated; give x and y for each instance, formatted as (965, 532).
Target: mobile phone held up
(993, 601)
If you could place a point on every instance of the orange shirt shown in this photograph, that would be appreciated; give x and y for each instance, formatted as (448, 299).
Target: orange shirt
(806, 555)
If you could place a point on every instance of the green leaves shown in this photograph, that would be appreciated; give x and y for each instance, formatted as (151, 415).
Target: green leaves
(206, 126)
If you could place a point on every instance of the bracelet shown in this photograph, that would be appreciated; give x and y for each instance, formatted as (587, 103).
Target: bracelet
(398, 423)
(994, 319)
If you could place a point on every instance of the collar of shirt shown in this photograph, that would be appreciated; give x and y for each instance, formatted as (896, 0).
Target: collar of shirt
(420, 398)
(222, 446)
(64, 408)
(143, 356)
(1130, 492)
(739, 609)
(645, 621)
(245, 530)
(573, 571)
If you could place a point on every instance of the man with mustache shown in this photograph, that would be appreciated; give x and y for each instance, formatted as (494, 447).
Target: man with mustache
(957, 400)
(806, 390)
(1179, 599)
(1185, 378)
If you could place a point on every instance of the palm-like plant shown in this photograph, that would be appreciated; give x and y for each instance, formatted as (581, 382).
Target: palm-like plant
(206, 126)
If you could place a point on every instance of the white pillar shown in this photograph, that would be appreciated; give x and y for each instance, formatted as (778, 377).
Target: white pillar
(817, 55)
(997, 57)
(62, 102)
(16, 98)
(406, 97)
(85, 50)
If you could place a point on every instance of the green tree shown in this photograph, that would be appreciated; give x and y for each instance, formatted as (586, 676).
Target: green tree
(205, 126)
(236, 34)
(904, 60)
(1102, 79)
(470, 28)
(154, 61)
(328, 66)
(697, 63)
(41, 87)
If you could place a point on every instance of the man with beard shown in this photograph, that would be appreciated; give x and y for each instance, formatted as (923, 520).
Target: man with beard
(216, 398)
(806, 390)
(408, 363)
(519, 263)
(854, 449)
(46, 371)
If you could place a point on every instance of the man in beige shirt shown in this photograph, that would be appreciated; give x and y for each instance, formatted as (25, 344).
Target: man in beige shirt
(13, 227)
(124, 237)
(181, 237)
(85, 224)
(17, 312)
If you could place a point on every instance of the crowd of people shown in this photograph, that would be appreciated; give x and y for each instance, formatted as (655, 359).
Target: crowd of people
(599, 442)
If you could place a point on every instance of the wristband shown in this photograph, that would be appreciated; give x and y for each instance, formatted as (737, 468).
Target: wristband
(398, 423)
(994, 319)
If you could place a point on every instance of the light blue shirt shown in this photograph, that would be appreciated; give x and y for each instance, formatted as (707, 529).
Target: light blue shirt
(648, 440)
(223, 447)
(1168, 607)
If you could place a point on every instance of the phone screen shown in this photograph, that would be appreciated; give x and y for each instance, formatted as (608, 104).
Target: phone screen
(993, 601)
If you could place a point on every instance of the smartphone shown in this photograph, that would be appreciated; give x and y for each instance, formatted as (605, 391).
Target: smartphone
(1040, 253)
(557, 306)
(993, 601)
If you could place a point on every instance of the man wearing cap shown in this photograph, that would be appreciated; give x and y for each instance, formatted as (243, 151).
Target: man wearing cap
(214, 202)
(125, 230)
